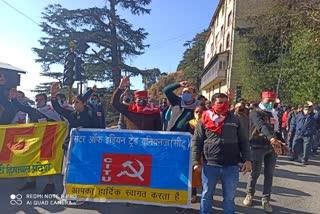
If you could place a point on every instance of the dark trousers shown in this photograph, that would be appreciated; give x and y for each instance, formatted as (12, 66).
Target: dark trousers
(290, 142)
(315, 141)
(302, 144)
(262, 156)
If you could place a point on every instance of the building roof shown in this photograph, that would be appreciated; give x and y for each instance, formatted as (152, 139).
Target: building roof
(7, 66)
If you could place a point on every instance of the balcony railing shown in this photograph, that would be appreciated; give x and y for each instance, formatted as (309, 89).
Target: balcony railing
(216, 70)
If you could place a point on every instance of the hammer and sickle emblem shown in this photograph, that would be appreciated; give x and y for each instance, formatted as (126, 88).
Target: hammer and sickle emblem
(135, 174)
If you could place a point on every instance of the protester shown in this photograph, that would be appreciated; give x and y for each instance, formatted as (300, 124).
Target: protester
(164, 108)
(284, 130)
(304, 126)
(126, 100)
(196, 175)
(240, 111)
(291, 117)
(265, 147)
(46, 109)
(140, 115)
(208, 104)
(40, 114)
(20, 117)
(80, 117)
(97, 109)
(221, 137)
(182, 107)
(63, 101)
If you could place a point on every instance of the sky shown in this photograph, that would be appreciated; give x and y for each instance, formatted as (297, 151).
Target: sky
(170, 24)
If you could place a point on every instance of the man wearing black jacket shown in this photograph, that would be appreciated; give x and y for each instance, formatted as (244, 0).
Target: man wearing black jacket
(221, 137)
(265, 147)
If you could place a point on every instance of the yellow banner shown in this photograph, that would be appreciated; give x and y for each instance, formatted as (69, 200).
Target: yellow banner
(33, 149)
(126, 193)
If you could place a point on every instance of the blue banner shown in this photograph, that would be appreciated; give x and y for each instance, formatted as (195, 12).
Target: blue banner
(143, 167)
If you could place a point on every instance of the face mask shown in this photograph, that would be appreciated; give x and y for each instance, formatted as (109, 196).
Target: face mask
(268, 106)
(93, 102)
(142, 103)
(241, 109)
(186, 97)
(306, 111)
(126, 100)
(40, 104)
(164, 103)
(223, 108)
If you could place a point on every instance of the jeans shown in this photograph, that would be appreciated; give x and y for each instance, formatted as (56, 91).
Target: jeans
(284, 134)
(269, 158)
(302, 144)
(315, 141)
(229, 177)
(290, 141)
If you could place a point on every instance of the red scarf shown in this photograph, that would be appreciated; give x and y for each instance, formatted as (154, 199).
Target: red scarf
(213, 121)
(150, 108)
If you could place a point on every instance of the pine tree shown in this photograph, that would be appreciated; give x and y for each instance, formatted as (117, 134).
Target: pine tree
(103, 39)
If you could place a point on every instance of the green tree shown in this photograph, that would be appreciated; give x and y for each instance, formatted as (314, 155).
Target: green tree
(104, 39)
(192, 61)
(280, 51)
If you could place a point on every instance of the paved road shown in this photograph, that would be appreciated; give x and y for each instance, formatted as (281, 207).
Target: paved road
(296, 191)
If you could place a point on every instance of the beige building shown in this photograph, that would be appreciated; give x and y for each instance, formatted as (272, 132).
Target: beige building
(220, 60)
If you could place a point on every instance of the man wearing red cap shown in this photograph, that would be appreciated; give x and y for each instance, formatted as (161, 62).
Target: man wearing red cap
(142, 115)
(265, 147)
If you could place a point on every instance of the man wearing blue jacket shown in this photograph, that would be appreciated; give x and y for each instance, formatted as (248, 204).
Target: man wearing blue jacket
(304, 126)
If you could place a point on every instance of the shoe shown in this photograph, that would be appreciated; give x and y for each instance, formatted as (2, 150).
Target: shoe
(266, 205)
(28, 185)
(248, 200)
(304, 162)
(48, 189)
(193, 199)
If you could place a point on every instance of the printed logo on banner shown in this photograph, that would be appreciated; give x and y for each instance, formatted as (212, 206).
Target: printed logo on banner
(126, 169)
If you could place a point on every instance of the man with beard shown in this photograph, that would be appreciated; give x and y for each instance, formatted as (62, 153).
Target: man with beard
(141, 115)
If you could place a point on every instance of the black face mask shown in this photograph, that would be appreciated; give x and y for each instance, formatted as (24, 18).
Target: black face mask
(142, 103)
(164, 103)
(127, 100)
(241, 109)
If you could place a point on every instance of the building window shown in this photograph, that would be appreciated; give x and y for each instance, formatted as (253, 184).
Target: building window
(222, 30)
(222, 10)
(230, 18)
(217, 36)
(220, 49)
(228, 41)
(212, 47)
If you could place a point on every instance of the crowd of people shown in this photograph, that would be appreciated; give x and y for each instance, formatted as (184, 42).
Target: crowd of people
(226, 138)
